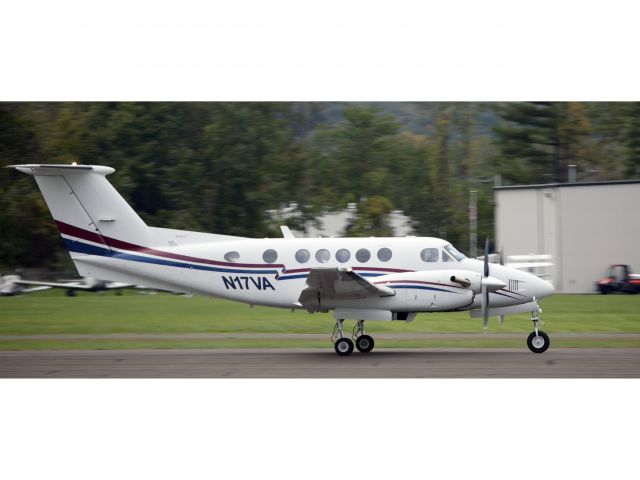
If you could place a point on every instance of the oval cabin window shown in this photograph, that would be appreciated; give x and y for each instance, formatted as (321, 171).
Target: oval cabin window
(232, 256)
(323, 255)
(343, 255)
(270, 256)
(363, 255)
(384, 254)
(302, 256)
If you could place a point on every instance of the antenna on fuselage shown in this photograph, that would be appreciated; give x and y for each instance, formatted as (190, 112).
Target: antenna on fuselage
(286, 233)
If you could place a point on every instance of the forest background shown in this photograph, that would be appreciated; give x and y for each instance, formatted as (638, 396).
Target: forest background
(218, 167)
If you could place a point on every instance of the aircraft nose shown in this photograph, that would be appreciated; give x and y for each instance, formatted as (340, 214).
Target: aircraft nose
(544, 288)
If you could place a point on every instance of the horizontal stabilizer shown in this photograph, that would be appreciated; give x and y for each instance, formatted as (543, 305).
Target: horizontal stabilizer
(44, 169)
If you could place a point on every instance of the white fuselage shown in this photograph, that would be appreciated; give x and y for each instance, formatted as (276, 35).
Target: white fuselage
(254, 277)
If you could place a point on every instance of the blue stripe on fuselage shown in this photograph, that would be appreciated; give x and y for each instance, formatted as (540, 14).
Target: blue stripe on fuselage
(292, 277)
(305, 275)
(423, 288)
(80, 247)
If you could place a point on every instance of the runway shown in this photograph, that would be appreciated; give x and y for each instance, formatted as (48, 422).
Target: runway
(323, 363)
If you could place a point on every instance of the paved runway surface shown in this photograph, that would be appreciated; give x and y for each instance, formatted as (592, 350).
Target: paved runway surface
(323, 363)
(313, 336)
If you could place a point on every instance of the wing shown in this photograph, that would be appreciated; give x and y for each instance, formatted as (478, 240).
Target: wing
(324, 283)
(34, 289)
(74, 285)
(117, 285)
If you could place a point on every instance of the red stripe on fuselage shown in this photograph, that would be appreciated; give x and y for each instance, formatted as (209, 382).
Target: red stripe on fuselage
(115, 243)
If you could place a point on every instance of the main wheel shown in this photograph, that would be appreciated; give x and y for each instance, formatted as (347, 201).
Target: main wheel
(344, 347)
(538, 343)
(364, 343)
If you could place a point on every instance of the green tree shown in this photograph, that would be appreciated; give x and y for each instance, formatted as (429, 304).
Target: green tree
(251, 165)
(538, 140)
(632, 139)
(372, 218)
(353, 157)
(28, 236)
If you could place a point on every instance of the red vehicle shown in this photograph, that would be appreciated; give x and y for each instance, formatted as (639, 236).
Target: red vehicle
(619, 279)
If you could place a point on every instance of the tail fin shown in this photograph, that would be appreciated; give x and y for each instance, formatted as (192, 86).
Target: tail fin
(85, 205)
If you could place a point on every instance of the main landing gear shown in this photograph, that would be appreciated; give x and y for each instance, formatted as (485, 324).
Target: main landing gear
(538, 341)
(344, 346)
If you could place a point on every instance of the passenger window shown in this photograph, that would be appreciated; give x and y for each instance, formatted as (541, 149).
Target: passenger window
(232, 256)
(323, 255)
(302, 256)
(270, 256)
(343, 255)
(384, 254)
(446, 257)
(429, 255)
(363, 255)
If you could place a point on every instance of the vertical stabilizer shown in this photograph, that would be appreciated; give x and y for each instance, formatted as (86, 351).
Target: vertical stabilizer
(86, 206)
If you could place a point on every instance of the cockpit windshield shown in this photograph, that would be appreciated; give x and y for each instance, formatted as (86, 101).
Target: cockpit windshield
(453, 252)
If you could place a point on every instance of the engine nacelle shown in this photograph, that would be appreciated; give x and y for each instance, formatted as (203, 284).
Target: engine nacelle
(434, 290)
(465, 278)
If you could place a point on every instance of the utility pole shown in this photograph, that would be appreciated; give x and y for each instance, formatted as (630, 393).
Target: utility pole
(473, 223)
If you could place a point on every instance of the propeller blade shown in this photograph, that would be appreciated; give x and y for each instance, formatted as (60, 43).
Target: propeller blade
(502, 255)
(485, 307)
(501, 320)
(486, 257)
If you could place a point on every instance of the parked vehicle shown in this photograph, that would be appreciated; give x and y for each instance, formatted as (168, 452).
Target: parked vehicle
(619, 279)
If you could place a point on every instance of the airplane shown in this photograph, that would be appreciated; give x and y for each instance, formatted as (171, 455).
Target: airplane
(359, 279)
(14, 285)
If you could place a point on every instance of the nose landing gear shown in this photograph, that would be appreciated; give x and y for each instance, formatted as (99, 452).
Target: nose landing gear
(537, 341)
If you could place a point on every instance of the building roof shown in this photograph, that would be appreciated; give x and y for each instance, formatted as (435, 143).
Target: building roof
(561, 185)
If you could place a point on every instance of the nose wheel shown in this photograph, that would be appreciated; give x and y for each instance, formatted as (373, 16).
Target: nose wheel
(537, 341)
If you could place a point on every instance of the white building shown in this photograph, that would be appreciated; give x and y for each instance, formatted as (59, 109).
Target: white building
(585, 227)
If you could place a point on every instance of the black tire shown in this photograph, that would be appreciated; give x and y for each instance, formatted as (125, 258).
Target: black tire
(364, 343)
(70, 293)
(538, 347)
(344, 347)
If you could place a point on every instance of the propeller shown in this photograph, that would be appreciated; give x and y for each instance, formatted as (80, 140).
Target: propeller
(484, 291)
(501, 257)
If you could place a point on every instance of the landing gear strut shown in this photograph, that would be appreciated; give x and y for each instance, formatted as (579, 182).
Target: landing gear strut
(538, 341)
(343, 345)
(364, 343)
